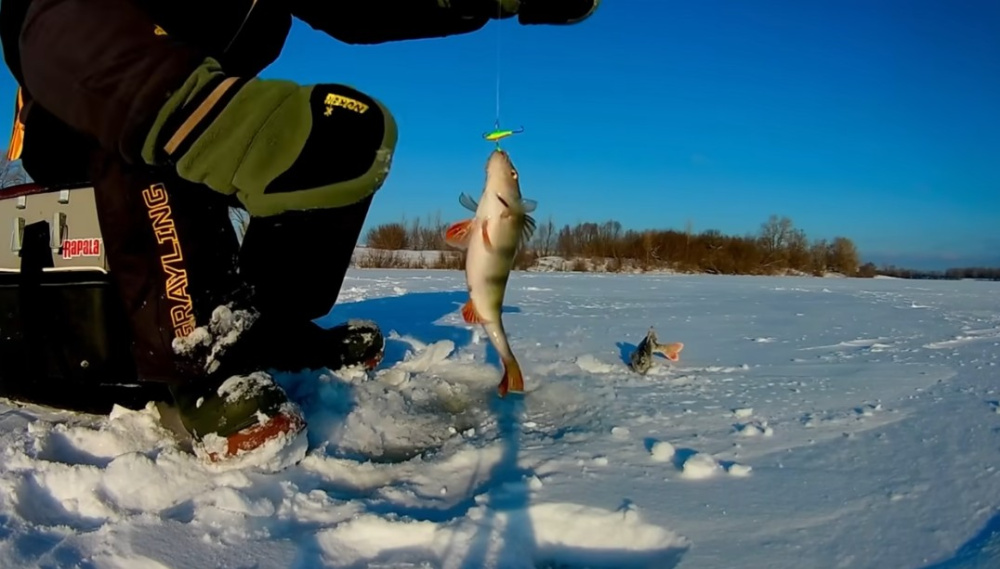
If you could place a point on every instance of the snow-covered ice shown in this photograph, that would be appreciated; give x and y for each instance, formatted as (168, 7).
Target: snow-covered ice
(859, 428)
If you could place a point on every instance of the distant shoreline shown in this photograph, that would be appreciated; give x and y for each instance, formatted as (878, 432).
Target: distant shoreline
(409, 259)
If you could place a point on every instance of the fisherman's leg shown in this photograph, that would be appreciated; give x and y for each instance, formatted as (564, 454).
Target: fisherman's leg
(291, 268)
(172, 256)
(276, 145)
(279, 146)
(100, 67)
(295, 263)
(108, 75)
(305, 161)
(173, 253)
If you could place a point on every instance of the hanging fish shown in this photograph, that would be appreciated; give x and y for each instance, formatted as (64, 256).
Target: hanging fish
(501, 224)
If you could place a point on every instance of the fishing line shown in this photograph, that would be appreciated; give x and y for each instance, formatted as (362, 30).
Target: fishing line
(499, 25)
(498, 134)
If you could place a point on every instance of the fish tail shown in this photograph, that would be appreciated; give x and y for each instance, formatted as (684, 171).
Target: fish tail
(513, 380)
(670, 351)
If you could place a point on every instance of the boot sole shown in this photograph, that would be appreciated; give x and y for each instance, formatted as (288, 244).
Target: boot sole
(252, 438)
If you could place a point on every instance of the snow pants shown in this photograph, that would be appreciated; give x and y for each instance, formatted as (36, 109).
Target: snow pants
(103, 67)
(175, 256)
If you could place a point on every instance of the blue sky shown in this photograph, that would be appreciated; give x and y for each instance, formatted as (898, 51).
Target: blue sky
(873, 119)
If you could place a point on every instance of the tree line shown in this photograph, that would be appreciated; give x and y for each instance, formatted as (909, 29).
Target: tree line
(776, 248)
(956, 273)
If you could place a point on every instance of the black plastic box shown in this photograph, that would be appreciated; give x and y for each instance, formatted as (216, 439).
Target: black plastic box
(64, 342)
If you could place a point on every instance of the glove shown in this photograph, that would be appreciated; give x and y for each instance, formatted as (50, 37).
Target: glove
(555, 12)
(528, 12)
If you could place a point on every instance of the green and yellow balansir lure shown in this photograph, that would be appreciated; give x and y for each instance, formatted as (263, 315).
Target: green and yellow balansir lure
(498, 134)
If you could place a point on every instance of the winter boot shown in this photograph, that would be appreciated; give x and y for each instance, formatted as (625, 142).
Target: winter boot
(295, 346)
(351, 344)
(241, 416)
(238, 410)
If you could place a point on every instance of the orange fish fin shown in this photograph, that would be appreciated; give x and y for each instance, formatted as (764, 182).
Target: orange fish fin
(458, 234)
(512, 381)
(486, 237)
(469, 313)
(670, 351)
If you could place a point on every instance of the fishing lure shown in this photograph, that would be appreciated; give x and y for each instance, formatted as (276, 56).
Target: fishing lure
(498, 134)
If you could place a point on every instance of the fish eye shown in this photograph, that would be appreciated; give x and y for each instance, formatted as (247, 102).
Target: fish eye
(513, 173)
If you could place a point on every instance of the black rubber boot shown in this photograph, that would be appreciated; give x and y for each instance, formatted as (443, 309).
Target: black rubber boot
(296, 346)
(358, 343)
(238, 407)
(238, 415)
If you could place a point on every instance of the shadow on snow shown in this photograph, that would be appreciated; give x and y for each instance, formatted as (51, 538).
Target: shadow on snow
(982, 551)
(417, 315)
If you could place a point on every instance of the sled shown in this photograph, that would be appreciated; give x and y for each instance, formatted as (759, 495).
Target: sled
(64, 337)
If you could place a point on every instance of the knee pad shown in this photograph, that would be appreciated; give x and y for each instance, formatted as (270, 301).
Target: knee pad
(277, 145)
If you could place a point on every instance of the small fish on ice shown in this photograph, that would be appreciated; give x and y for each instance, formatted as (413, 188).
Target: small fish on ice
(642, 358)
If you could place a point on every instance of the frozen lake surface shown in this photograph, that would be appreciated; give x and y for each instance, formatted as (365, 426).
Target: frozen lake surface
(809, 423)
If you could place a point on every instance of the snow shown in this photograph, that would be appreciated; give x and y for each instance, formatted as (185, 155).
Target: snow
(662, 451)
(222, 331)
(854, 430)
(699, 465)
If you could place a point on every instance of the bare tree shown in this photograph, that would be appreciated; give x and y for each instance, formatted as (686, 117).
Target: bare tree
(389, 236)
(843, 256)
(797, 250)
(649, 251)
(688, 232)
(819, 254)
(543, 241)
(773, 239)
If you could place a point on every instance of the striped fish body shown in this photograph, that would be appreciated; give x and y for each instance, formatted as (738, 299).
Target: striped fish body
(492, 237)
(641, 358)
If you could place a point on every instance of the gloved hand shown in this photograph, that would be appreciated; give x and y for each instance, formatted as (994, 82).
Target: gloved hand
(528, 12)
(557, 12)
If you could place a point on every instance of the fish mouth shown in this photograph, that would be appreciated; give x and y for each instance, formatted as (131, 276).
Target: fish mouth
(499, 159)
